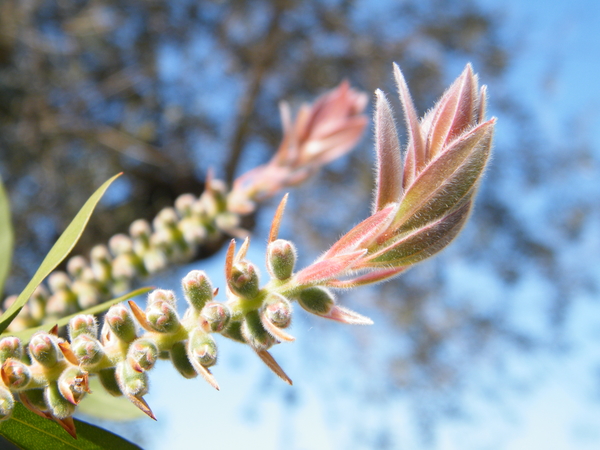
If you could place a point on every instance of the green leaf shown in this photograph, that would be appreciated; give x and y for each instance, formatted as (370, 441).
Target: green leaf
(32, 432)
(105, 406)
(58, 252)
(6, 236)
(25, 335)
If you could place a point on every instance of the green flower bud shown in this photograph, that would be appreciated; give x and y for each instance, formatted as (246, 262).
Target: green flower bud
(281, 258)
(108, 380)
(73, 384)
(155, 260)
(15, 374)
(37, 303)
(83, 324)
(181, 361)
(125, 268)
(76, 265)
(142, 354)
(59, 406)
(36, 397)
(43, 348)
(166, 218)
(86, 292)
(193, 230)
(278, 311)
(87, 350)
(131, 382)
(120, 244)
(10, 347)
(216, 315)
(100, 261)
(234, 332)
(162, 295)
(316, 300)
(7, 404)
(202, 348)
(140, 232)
(184, 203)
(244, 279)
(227, 221)
(197, 289)
(254, 333)
(162, 317)
(59, 281)
(121, 323)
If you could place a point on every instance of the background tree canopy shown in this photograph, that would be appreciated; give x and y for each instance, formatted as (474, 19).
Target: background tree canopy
(166, 90)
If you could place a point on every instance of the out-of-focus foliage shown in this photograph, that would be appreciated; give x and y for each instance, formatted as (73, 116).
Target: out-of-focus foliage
(165, 90)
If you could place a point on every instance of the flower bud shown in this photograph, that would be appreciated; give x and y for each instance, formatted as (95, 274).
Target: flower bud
(316, 300)
(44, 349)
(278, 311)
(131, 382)
(15, 374)
(7, 403)
(140, 232)
(244, 279)
(83, 324)
(76, 265)
(10, 347)
(59, 281)
(162, 317)
(155, 260)
(86, 292)
(180, 360)
(73, 384)
(216, 315)
(87, 350)
(193, 230)
(37, 303)
(184, 203)
(281, 258)
(162, 295)
(120, 244)
(202, 348)
(234, 332)
(100, 261)
(227, 221)
(120, 321)
(109, 382)
(197, 289)
(59, 406)
(254, 333)
(142, 354)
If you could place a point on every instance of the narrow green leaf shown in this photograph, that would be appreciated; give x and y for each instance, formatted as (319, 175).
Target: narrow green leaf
(25, 335)
(32, 432)
(6, 237)
(104, 406)
(58, 252)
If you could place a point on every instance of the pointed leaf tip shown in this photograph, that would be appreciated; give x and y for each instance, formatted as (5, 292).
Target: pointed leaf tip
(389, 160)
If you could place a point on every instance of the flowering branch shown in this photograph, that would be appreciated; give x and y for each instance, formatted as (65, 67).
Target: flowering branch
(420, 206)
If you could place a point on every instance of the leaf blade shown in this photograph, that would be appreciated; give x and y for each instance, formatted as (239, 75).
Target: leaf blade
(57, 253)
(6, 236)
(31, 432)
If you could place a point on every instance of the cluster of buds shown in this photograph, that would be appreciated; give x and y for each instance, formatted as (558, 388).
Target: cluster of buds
(322, 132)
(174, 236)
(419, 208)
